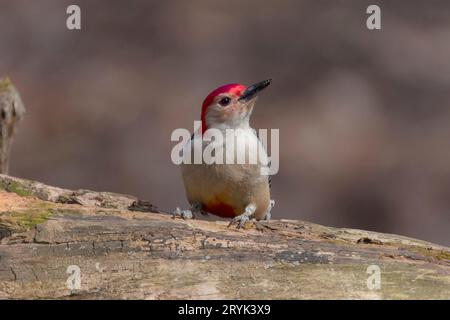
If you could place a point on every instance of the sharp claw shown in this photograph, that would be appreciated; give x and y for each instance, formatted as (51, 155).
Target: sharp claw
(240, 220)
(185, 214)
(176, 212)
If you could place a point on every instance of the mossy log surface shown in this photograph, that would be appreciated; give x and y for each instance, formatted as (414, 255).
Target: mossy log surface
(127, 249)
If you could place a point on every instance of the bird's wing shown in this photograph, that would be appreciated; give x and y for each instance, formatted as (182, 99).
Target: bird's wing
(269, 177)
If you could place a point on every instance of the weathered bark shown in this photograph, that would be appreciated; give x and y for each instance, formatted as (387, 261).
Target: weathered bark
(125, 253)
(11, 112)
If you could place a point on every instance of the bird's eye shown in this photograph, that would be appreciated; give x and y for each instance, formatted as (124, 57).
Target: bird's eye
(224, 101)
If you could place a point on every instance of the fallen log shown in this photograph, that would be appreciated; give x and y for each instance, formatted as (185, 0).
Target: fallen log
(59, 243)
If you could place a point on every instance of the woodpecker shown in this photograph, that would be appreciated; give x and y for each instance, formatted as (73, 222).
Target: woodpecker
(237, 191)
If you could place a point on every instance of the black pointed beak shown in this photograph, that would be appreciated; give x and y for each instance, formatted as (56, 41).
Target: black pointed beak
(253, 90)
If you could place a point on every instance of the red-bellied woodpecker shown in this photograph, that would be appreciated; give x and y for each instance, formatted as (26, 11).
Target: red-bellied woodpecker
(235, 190)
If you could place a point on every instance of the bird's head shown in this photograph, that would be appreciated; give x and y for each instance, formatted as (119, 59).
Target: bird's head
(230, 106)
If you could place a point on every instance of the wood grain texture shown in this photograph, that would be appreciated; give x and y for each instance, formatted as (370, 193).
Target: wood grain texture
(138, 254)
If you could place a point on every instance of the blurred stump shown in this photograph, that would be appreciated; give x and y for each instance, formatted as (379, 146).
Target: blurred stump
(49, 236)
(11, 112)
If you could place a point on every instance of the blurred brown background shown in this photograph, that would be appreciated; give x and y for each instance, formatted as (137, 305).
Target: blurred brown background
(364, 116)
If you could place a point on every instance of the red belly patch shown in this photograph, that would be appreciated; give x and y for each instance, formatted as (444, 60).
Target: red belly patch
(219, 209)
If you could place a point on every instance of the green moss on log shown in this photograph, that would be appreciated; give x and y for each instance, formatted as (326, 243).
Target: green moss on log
(29, 218)
(18, 188)
(21, 221)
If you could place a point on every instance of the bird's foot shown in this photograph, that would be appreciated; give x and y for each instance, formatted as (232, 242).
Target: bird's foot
(242, 219)
(184, 214)
(196, 209)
